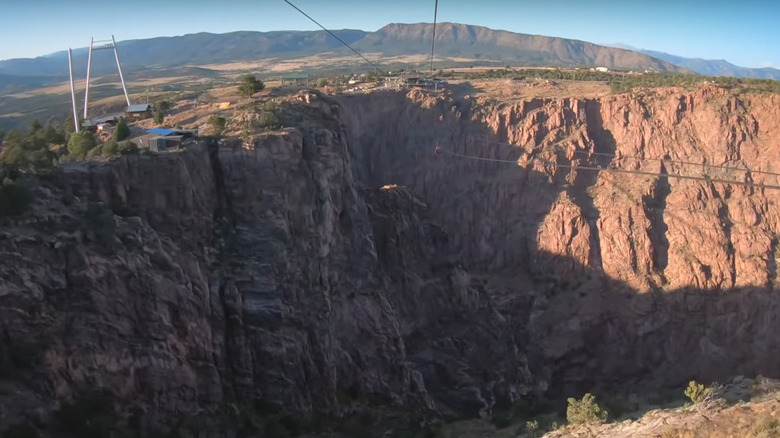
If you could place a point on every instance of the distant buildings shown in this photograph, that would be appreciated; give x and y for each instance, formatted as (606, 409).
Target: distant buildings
(162, 139)
(295, 79)
(423, 82)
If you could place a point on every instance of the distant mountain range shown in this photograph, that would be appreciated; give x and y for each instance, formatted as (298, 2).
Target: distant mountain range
(710, 67)
(455, 44)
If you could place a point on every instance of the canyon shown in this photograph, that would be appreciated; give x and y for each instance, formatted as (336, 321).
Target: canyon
(340, 267)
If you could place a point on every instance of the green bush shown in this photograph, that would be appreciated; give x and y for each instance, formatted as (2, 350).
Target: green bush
(585, 410)
(110, 148)
(697, 392)
(128, 147)
(95, 152)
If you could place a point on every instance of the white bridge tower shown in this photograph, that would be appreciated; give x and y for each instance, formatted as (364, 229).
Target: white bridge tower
(103, 45)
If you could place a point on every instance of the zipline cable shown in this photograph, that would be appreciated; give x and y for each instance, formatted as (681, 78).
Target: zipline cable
(334, 35)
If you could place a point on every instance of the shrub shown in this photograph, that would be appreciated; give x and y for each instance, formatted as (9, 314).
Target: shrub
(585, 410)
(532, 427)
(110, 148)
(697, 392)
(127, 147)
(95, 152)
(218, 124)
(268, 120)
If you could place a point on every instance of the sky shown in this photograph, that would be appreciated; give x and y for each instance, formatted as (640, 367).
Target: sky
(745, 33)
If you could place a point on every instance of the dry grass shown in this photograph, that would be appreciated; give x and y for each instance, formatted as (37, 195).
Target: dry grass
(714, 418)
(507, 90)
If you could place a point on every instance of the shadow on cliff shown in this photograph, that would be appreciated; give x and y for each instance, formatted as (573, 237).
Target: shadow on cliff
(579, 329)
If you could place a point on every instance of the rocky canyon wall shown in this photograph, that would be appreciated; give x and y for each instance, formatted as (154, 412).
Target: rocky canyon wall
(283, 277)
(633, 276)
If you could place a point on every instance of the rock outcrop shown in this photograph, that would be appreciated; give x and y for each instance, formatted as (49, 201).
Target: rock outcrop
(342, 266)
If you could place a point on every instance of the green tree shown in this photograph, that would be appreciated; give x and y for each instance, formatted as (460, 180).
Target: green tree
(322, 82)
(122, 131)
(161, 108)
(585, 410)
(250, 85)
(25, 153)
(218, 124)
(69, 126)
(52, 134)
(2, 135)
(35, 125)
(81, 143)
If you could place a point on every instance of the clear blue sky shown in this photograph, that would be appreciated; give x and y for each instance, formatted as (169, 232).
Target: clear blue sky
(746, 33)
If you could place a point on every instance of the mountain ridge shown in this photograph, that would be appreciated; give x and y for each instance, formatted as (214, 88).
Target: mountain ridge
(709, 67)
(478, 44)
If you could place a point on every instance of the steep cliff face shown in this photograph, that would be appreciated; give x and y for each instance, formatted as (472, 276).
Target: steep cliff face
(292, 276)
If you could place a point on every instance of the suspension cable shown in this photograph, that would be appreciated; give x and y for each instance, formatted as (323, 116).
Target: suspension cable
(618, 170)
(433, 40)
(635, 157)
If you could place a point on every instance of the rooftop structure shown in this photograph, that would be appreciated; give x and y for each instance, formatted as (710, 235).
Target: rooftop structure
(138, 111)
(139, 107)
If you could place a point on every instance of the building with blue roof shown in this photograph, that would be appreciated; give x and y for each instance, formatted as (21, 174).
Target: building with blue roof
(161, 131)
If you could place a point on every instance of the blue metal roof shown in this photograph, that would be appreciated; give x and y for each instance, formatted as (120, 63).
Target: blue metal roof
(161, 131)
(139, 107)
